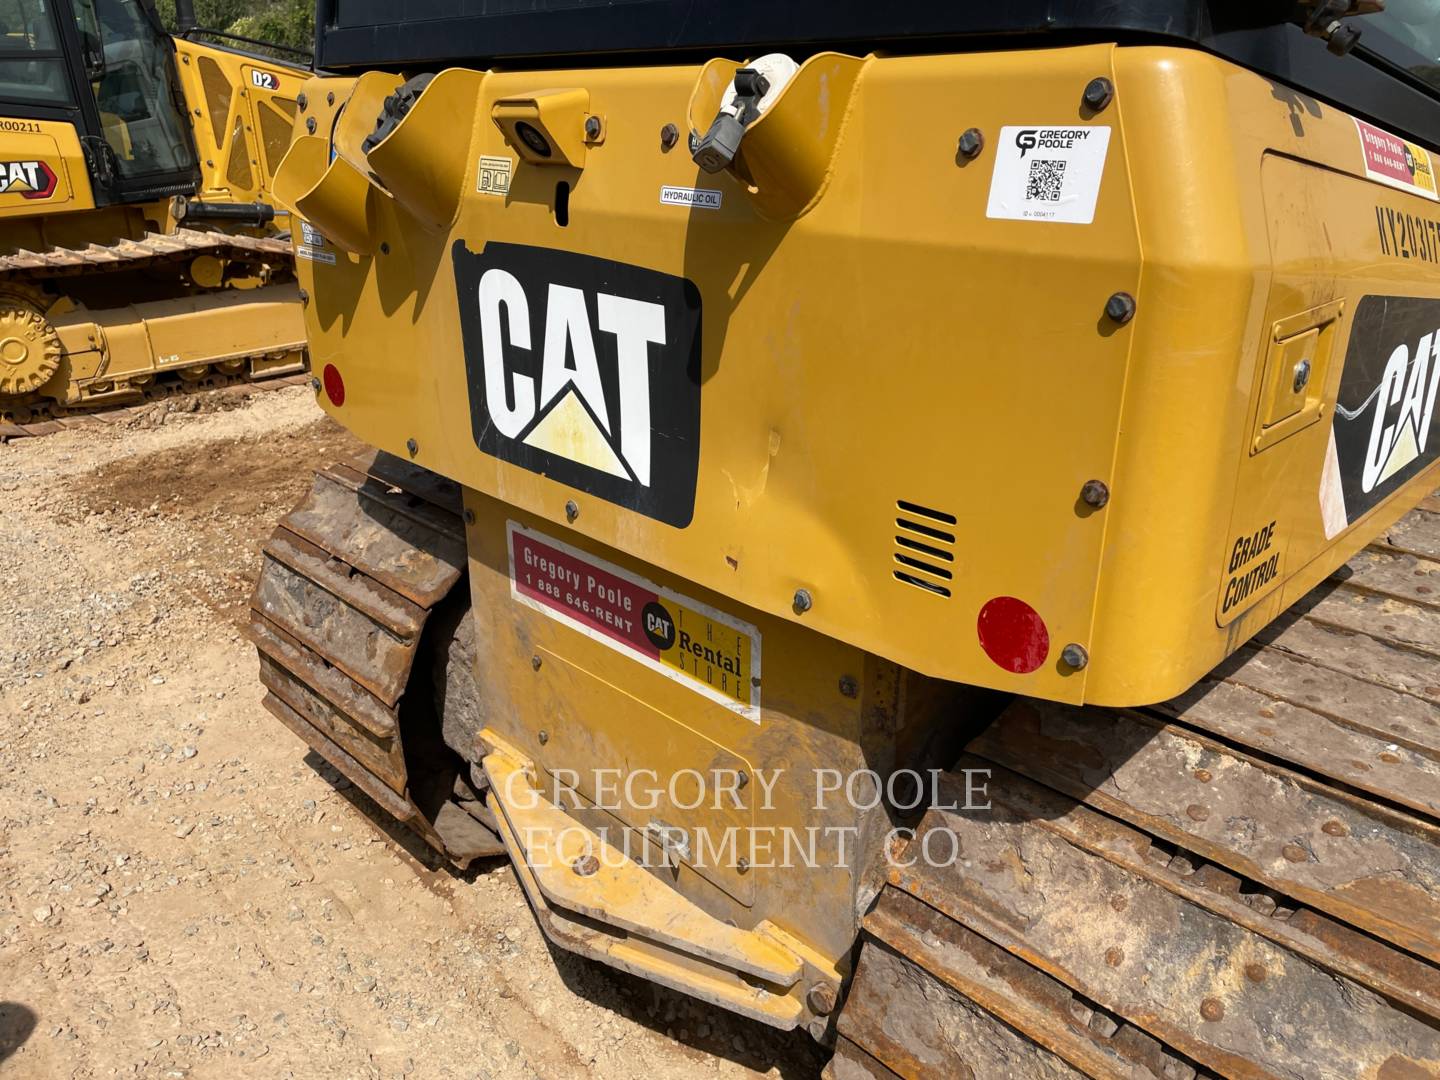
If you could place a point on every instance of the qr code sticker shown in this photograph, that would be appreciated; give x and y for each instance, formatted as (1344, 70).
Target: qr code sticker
(1047, 178)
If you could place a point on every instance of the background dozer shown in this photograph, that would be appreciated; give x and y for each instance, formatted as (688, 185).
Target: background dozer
(912, 522)
(139, 251)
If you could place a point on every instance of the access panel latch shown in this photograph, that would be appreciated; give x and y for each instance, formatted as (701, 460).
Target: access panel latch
(747, 98)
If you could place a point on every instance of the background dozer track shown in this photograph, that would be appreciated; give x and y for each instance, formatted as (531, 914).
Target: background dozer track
(133, 319)
(1243, 882)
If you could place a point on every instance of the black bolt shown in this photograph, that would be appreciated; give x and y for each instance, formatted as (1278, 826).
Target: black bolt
(412, 446)
(1099, 92)
(330, 98)
(384, 247)
(802, 602)
(469, 516)
(592, 127)
(310, 125)
(1075, 656)
(544, 737)
(669, 136)
(304, 296)
(304, 102)
(572, 510)
(315, 384)
(1095, 493)
(742, 780)
(743, 865)
(848, 686)
(535, 661)
(1120, 308)
(972, 142)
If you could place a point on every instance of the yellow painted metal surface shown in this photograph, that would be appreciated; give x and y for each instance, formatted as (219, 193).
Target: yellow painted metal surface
(241, 111)
(870, 337)
(173, 335)
(746, 808)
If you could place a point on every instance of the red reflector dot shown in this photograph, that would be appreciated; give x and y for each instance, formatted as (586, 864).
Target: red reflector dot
(1013, 634)
(334, 385)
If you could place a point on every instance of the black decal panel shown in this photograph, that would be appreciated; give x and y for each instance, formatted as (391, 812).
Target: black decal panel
(586, 371)
(1387, 427)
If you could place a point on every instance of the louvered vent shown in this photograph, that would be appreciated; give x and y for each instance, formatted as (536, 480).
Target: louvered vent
(924, 548)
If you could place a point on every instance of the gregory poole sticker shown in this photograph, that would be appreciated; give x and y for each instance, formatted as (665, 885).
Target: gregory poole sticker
(1048, 173)
(710, 652)
(1396, 162)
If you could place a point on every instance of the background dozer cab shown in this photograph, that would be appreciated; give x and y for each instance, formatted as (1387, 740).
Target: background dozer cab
(905, 521)
(139, 251)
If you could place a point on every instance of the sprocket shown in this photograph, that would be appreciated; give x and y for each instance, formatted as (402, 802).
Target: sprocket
(29, 348)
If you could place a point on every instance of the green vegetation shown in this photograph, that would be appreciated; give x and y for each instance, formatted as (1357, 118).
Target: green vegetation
(283, 22)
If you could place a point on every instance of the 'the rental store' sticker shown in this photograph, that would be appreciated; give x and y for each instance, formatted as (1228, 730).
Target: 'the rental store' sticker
(1396, 162)
(708, 651)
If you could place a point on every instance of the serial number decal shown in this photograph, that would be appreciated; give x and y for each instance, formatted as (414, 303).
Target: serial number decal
(27, 126)
(1407, 236)
(712, 653)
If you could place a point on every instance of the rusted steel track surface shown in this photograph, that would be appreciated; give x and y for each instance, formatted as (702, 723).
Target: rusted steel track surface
(152, 248)
(1243, 882)
(348, 583)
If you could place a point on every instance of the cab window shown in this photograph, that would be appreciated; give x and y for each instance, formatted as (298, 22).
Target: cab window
(131, 80)
(32, 68)
(1407, 33)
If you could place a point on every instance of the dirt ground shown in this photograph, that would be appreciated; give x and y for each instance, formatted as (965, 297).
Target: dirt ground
(185, 891)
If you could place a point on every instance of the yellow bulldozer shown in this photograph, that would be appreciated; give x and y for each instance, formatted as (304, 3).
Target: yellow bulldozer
(139, 250)
(911, 522)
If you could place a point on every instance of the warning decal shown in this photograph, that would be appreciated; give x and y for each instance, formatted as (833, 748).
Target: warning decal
(684, 640)
(313, 245)
(1048, 173)
(1393, 161)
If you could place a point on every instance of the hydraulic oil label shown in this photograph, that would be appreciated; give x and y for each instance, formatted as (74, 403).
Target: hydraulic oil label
(706, 650)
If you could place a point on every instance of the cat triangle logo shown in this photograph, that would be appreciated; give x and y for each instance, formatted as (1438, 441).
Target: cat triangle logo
(29, 179)
(571, 430)
(571, 417)
(1404, 404)
(1387, 411)
(585, 370)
